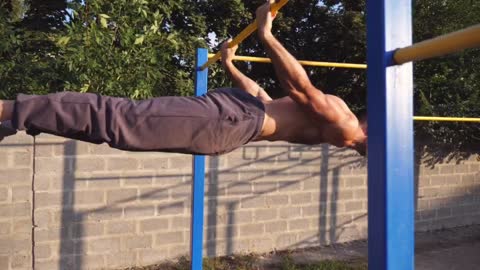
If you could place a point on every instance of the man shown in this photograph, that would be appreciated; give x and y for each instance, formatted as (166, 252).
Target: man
(216, 123)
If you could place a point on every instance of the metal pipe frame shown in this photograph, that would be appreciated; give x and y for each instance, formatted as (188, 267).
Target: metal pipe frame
(302, 62)
(442, 45)
(390, 138)
(244, 34)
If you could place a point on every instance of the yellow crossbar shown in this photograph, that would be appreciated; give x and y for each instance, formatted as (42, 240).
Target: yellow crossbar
(303, 62)
(244, 34)
(449, 43)
(445, 119)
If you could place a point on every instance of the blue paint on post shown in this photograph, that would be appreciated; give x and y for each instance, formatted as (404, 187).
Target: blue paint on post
(198, 190)
(390, 138)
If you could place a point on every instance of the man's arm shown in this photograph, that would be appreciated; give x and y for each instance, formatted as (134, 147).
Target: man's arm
(291, 74)
(239, 79)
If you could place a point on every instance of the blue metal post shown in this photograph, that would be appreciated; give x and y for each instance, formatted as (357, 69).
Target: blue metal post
(390, 138)
(198, 191)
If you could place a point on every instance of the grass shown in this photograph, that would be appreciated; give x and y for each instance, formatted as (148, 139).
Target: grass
(289, 264)
(256, 262)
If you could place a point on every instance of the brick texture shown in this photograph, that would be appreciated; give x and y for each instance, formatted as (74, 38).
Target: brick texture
(16, 174)
(101, 208)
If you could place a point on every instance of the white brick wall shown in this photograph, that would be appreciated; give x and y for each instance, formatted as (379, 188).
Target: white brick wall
(16, 160)
(96, 207)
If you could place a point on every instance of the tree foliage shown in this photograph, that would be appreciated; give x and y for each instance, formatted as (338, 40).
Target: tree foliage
(450, 85)
(27, 50)
(131, 48)
(146, 48)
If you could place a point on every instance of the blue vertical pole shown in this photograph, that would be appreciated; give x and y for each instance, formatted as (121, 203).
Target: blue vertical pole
(198, 191)
(390, 138)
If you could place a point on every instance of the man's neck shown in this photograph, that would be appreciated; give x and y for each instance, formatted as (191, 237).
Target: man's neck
(359, 140)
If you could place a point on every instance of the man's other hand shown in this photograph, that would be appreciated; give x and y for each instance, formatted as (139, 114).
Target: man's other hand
(227, 52)
(264, 19)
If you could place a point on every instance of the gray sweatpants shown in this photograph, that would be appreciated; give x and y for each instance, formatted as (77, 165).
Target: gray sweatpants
(215, 123)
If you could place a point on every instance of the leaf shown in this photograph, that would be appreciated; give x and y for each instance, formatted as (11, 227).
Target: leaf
(85, 88)
(154, 27)
(104, 16)
(136, 94)
(153, 59)
(103, 22)
(139, 40)
(63, 41)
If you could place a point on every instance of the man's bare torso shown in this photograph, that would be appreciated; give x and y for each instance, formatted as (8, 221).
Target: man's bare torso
(285, 120)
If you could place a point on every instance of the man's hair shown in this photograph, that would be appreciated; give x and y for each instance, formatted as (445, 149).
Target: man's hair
(362, 115)
(362, 120)
(362, 149)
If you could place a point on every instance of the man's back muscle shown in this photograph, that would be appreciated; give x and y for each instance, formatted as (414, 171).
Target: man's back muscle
(286, 120)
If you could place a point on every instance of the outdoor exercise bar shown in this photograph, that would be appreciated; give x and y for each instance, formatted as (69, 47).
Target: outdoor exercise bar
(198, 185)
(244, 34)
(449, 43)
(303, 62)
(391, 191)
(390, 103)
(357, 66)
(445, 119)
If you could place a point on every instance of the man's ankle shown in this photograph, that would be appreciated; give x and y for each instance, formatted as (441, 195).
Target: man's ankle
(6, 110)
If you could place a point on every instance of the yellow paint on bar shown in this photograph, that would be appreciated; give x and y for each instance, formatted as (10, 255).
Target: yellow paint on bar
(445, 119)
(244, 34)
(303, 62)
(442, 45)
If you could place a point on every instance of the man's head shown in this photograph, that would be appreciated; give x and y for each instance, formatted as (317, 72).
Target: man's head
(362, 143)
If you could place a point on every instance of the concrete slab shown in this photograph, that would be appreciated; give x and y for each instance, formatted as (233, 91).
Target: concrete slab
(449, 249)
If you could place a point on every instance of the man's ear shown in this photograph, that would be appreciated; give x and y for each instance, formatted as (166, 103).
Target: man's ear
(364, 127)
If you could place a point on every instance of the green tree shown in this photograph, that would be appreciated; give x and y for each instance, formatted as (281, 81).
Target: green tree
(27, 48)
(44, 15)
(447, 86)
(311, 30)
(145, 48)
(131, 48)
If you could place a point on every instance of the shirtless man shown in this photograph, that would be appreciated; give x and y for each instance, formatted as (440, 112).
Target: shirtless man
(215, 123)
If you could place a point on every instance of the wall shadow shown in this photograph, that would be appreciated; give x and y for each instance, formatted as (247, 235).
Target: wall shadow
(212, 202)
(323, 185)
(71, 230)
(326, 164)
(329, 185)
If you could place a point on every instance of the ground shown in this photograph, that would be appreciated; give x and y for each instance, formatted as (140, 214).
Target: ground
(451, 249)
(448, 249)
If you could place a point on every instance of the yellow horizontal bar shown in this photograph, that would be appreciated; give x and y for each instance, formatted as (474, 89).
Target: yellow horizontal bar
(445, 119)
(303, 62)
(244, 34)
(449, 43)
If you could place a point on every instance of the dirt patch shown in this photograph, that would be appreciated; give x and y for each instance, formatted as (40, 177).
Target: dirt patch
(456, 248)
